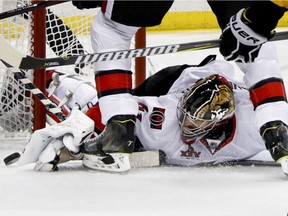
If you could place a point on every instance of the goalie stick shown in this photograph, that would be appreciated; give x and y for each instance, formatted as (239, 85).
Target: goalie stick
(51, 108)
(19, 60)
(29, 8)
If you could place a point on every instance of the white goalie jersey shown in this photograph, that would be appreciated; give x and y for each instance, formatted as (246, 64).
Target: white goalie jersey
(158, 127)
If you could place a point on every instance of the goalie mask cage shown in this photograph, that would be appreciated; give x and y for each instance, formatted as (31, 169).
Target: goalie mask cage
(59, 30)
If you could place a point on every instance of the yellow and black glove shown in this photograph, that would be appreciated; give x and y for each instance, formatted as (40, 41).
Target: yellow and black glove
(239, 42)
(248, 29)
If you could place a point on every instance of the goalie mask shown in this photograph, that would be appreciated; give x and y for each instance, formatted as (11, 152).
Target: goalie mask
(205, 105)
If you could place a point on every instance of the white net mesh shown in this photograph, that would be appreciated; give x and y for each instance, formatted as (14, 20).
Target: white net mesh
(16, 104)
(68, 33)
(15, 107)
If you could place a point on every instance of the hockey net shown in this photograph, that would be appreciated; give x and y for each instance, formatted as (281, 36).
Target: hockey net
(67, 33)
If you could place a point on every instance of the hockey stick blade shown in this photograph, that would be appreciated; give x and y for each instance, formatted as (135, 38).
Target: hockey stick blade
(29, 8)
(28, 62)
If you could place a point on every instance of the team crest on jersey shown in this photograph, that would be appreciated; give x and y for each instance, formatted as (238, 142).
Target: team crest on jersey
(212, 145)
(190, 153)
(143, 108)
(157, 118)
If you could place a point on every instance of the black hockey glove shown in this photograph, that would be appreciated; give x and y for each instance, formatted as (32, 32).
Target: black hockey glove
(87, 4)
(239, 41)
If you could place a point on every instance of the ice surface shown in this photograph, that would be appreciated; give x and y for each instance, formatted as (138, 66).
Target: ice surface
(159, 191)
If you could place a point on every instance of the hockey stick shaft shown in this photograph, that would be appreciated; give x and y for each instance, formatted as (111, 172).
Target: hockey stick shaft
(29, 8)
(51, 108)
(28, 62)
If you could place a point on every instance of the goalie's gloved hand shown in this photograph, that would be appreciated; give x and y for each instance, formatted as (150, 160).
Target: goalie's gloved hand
(87, 4)
(239, 41)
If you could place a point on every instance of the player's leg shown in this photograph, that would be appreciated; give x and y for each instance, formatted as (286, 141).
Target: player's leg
(113, 29)
(268, 95)
(114, 86)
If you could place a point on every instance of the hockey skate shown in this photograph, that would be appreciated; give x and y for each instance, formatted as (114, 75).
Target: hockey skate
(111, 149)
(275, 136)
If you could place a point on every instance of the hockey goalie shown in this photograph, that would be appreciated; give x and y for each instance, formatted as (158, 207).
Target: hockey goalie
(194, 115)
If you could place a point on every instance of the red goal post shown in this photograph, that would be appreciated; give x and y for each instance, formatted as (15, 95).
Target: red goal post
(44, 33)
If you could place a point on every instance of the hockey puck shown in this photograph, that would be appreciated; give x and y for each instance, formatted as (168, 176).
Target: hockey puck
(11, 158)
